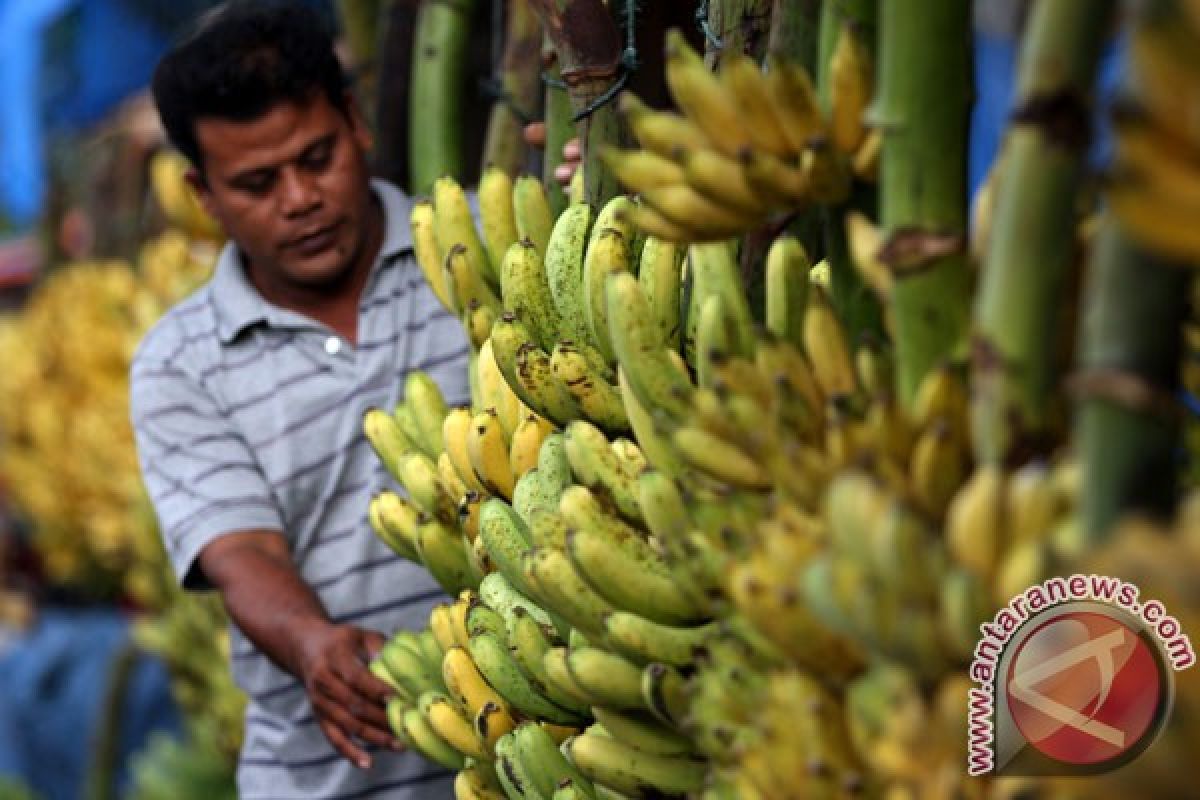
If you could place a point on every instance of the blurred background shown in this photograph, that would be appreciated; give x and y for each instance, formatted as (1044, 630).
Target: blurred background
(112, 683)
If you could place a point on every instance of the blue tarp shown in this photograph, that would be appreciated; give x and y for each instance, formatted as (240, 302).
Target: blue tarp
(52, 685)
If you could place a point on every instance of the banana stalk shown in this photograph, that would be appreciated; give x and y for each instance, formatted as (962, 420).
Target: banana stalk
(794, 31)
(1127, 423)
(856, 305)
(360, 20)
(435, 101)
(1032, 237)
(588, 45)
(740, 26)
(520, 82)
(559, 129)
(923, 106)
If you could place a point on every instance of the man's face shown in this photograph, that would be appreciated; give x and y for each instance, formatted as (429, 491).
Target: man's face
(291, 188)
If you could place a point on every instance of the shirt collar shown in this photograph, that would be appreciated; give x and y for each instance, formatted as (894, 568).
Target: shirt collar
(238, 303)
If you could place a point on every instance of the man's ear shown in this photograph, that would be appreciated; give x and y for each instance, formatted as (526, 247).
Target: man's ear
(200, 187)
(362, 131)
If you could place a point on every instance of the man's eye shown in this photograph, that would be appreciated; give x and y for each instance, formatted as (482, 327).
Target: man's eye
(318, 158)
(257, 184)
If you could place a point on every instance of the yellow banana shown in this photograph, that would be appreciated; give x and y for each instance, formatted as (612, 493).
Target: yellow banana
(526, 442)
(487, 450)
(449, 722)
(456, 429)
(691, 210)
(471, 288)
(866, 240)
(429, 258)
(449, 476)
(663, 133)
(394, 520)
(598, 399)
(415, 730)
(743, 79)
(794, 99)
(527, 294)
(442, 625)
(723, 180)
(851, 83)
(639, 170)
(976, 521)
(387, 439)
(494, 391)
(827, 348)
(655, 224)
(700, 95)
(496, 214)
(424, 397)
(454, 226)
(465, 683)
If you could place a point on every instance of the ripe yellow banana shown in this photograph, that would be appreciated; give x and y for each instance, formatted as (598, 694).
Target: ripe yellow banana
(387, 439)
(455, 431)
(746, 83)
(663, 133)
(851, 84)
(429, 258)
(976, 522)
(702, 97)
(496, 214)
(655, 224)
(693, 211)
(394, 520)
(465, 683)
(794, 99)
(639, 170)
(598, 399)
(827, 348)
(454, 226)
(487, 450)
(450, 723)
(526, 443)
(494, 390)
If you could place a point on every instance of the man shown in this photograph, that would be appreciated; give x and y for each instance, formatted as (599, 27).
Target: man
(248, 397)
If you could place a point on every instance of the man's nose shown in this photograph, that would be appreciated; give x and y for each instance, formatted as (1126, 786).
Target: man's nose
(299, 192)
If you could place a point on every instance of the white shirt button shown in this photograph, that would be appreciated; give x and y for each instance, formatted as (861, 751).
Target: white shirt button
(333, 345)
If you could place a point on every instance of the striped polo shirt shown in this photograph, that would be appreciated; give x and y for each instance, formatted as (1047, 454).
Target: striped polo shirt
(248, 415)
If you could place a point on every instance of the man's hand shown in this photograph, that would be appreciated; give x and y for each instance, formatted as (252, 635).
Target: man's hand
(281, 614)
(348, 700)
(535, 136)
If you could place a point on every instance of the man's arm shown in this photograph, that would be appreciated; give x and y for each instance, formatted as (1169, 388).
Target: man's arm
(281, 614)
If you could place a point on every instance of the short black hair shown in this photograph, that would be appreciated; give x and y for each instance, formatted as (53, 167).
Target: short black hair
(244, 58)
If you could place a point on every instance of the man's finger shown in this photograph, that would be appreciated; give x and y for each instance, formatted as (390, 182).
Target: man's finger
(342, 743)
(341, 690)
(572, 150)
(363, 681)
(563, 173)
(372, 643)
(358, 718)
(535, 134)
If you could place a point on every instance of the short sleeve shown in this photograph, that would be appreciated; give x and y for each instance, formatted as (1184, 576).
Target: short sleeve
(197, 467)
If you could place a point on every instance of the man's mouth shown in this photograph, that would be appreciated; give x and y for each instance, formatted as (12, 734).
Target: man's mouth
(314, 241)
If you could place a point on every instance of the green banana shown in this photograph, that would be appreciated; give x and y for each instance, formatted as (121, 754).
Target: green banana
(424, 397)
(715, 272)
(713, 340)
(558, 677)
(544, 763)
(518, 784)
(665, 693)
(532, 493)
(634, 772)
(643, 640)
(503, 598)
(596, 466)
(526, 368)
(654, 445)
(608, 253)
(606, 678)
(557, 582)
(787, 271)
(614, 559)
(506, 538)
(481, 617)
(492, 656)
(564, 269)
(553, 463)
(656, 380)
(443, 552)
(527, 294)
(643, 732)
(659, 275)
(529, 640)
(532, 210)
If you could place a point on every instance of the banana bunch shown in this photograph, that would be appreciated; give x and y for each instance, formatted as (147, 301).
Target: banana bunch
(747, 144)
(192, 768)
(190, 635)
(168, 180)
(68, 462)
(1154, 175)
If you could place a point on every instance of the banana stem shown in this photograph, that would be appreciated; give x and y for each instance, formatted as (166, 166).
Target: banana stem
(436, 100)
(520, 86)
(1032, 239)
(794, 31)
(588, 46)
(559, 129)
(1127, 424)
(739, 26)
(852, 299)
(923, 105)
(360, 21)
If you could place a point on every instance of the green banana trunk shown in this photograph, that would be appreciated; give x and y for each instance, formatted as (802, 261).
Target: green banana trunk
(559, 129)
(520, 83)
(857, 307)
(436, 99)
(794, 31)
(923, 103)
(1127, 423)
(361, 21)
(588, 45)
(1032, 239)
(741, 26)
